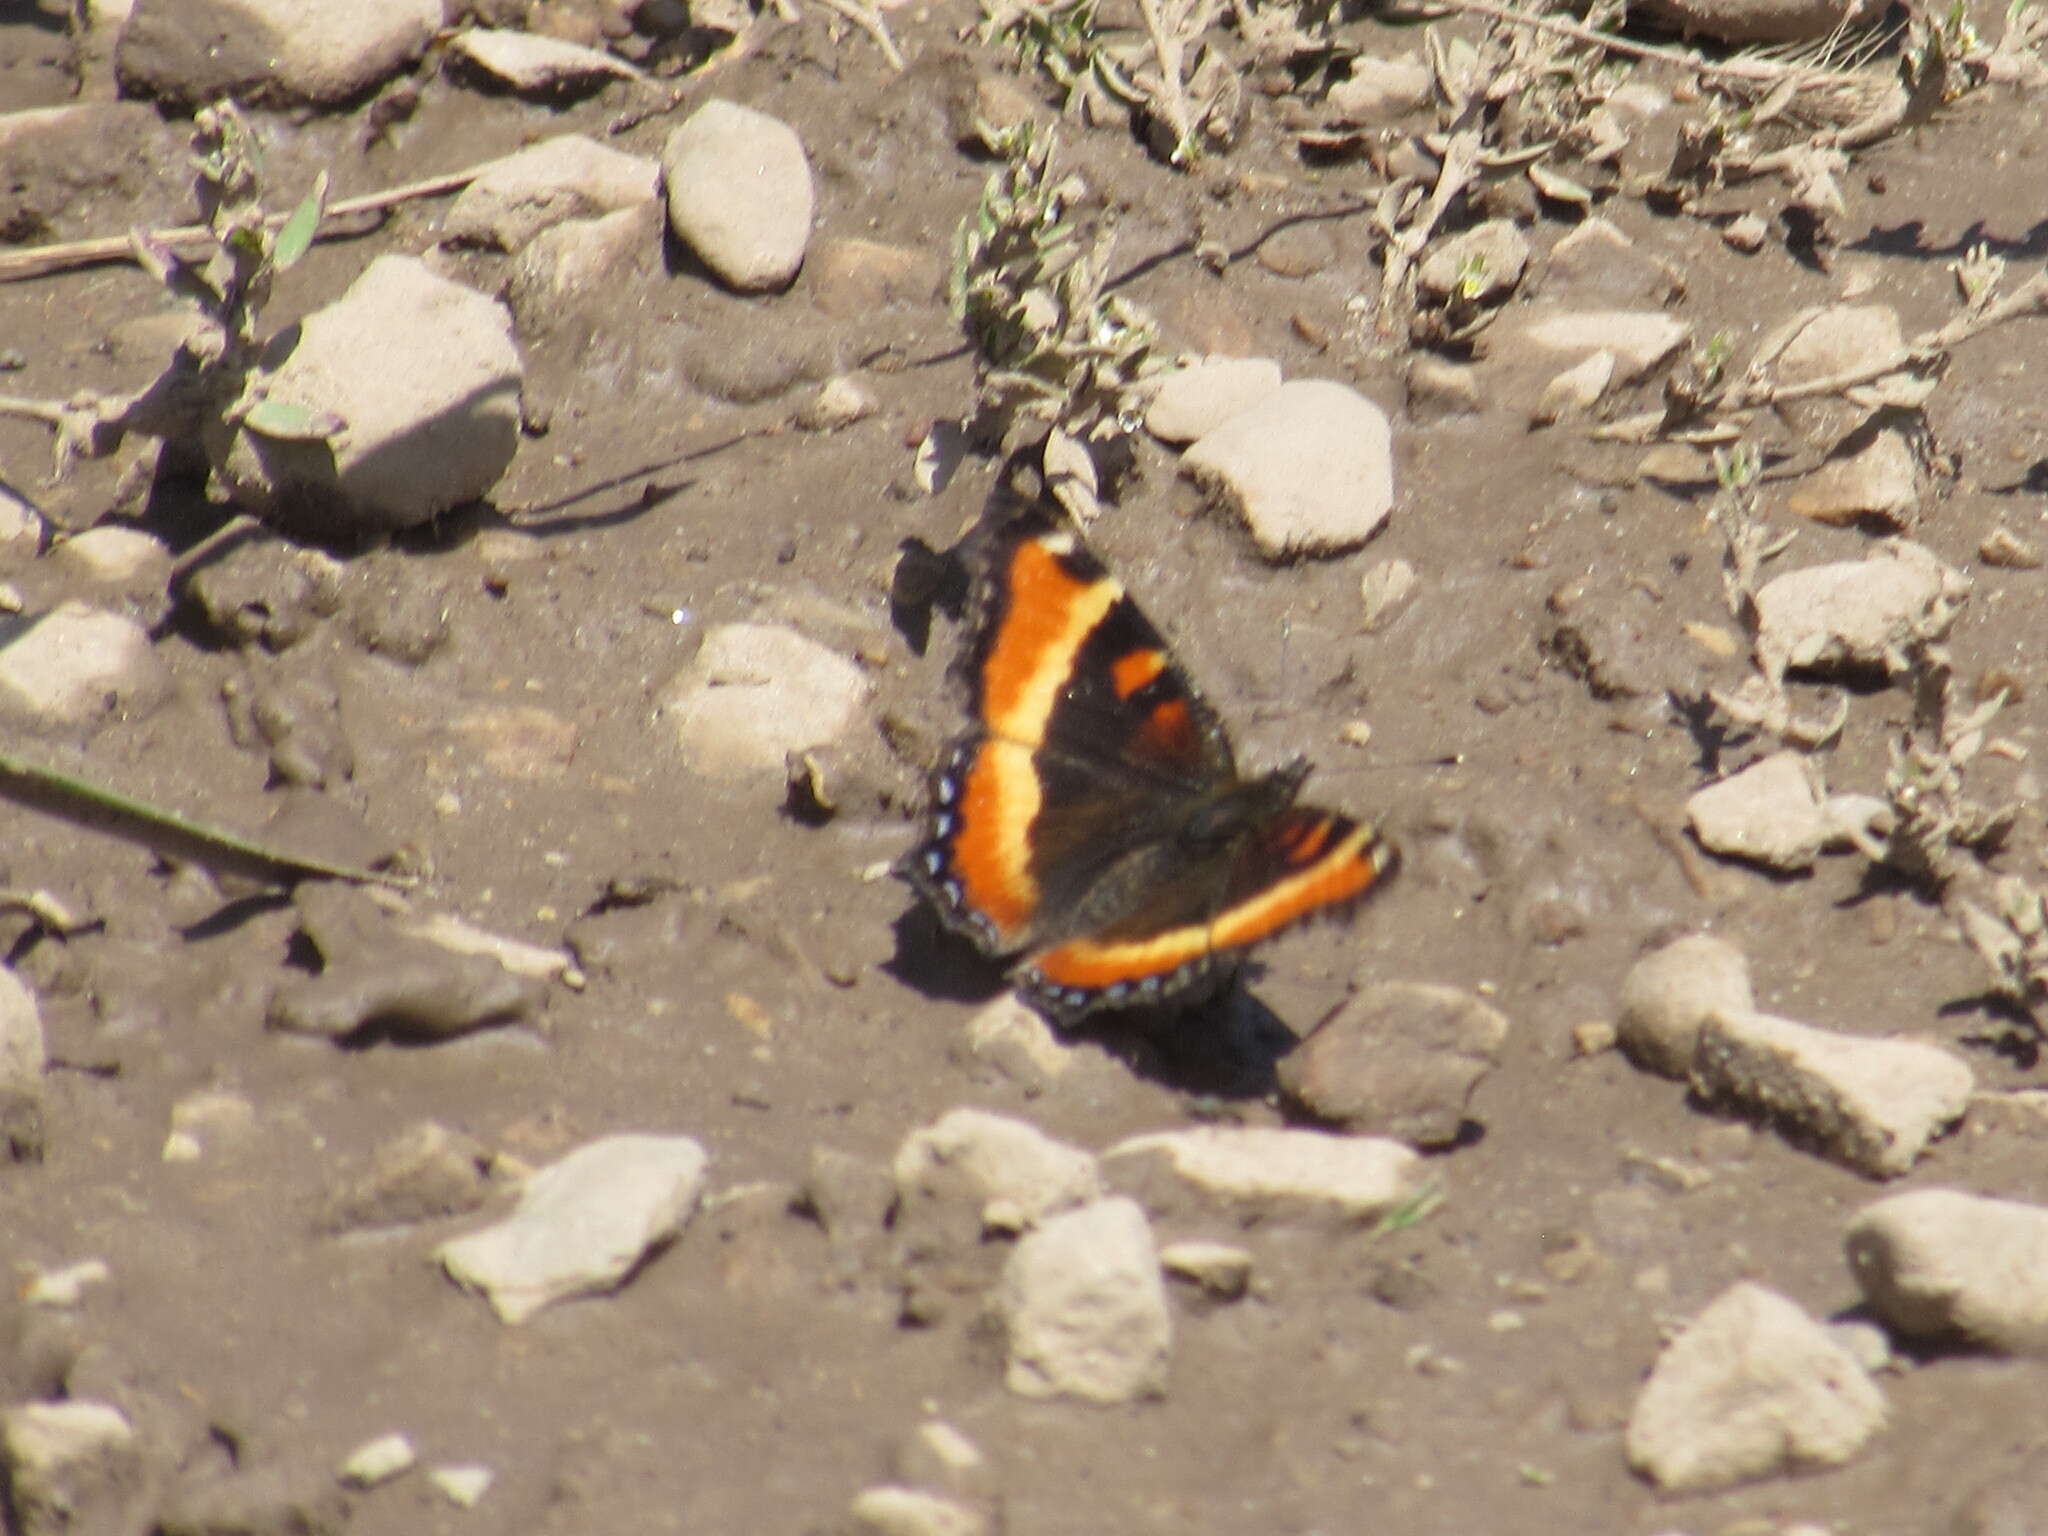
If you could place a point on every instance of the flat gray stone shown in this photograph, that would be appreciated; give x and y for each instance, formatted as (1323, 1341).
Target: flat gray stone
(1877, 482)
(1858, 613)
(755, 693)
(425, 379)
(1751, 1388)
(272, 52)
(1639, 339)
(534, 65)
(1871, 1105)
(1399, 1059)
(583, 1223)
(1939, 1264)
(566, 177)
(739, 194)
(1379, 91)
(1309, 468)
(1085, 1307)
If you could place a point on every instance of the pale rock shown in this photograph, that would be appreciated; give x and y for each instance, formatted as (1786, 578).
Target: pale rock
(1085, 1307)
(1480, 264)
(739, 194)
(1575, 391)
(1751, 1388)
(269, 52)
(1013, 1037)
(22, 1060)
(76, 664)
(379, 1461)
(538, 962)
(424, 376)
(65, 1287)
(889, 1510)
(583, 1223)
(463, 1484)
(1224, 1270)
(534, 65)
(935, 1455)
(558, 179)
(1775, 813)
(1438, 389)
(1858, 613)
(1840, 341)
(1639, 339)
(70, 1466)
(1011, 1174)
(109, 556)
(570, 260)
(1844, 339)
(1380, 91)
(1398, 1059)
(1770, 812)
(1309, 468)
(1199, 397)
(1671, 992)
(1939, 1264)
(1871, 1105)
(841, 400)
(22, 530)
(1385, 591)
(1878, 481)
(2006, 550)
(213, 1117)
(754, 694)
(1354, 1178)
(1746, 233)
(1742, 22)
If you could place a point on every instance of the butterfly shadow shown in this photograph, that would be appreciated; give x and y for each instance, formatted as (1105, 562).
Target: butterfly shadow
(1223, 1045)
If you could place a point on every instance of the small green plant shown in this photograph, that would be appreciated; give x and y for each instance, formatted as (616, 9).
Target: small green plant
(205, 386)
(1054, 349)
(1413, 1211)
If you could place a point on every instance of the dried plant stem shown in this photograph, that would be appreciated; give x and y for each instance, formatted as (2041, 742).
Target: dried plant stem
(1749, 69)
(44, 259)
(869, 21)
(1169, 48)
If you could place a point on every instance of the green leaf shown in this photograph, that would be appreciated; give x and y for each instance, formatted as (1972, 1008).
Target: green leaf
(291, 422)
(296, 238)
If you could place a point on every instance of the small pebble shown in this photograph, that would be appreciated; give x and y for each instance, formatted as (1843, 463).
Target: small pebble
(462, 1486)
(378, 1461)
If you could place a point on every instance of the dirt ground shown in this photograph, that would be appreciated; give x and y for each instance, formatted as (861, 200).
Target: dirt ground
(1468, 1374)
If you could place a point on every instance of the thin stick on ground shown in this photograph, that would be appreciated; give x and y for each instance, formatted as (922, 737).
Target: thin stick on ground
(41, 260)
(866, 18)
(1750, 69)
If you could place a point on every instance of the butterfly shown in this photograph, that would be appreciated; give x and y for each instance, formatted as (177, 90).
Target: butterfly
(1091, 825)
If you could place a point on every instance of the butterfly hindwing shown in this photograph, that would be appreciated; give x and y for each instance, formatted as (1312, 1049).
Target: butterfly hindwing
(1092, 818)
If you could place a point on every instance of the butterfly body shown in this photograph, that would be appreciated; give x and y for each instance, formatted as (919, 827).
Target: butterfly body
(1092, 822)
